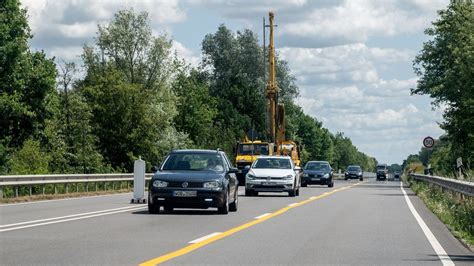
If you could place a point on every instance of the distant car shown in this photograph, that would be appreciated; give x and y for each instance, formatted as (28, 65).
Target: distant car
(382, 171)
(194, 179)
(317, 172)
(396, 175)
(354, 171)
(273, 174)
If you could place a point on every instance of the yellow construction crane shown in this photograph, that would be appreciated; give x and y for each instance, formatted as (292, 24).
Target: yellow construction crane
(276, 110)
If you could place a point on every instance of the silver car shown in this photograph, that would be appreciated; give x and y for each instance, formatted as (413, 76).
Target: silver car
(273, 174)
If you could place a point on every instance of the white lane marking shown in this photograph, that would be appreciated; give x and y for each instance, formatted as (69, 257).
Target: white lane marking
(292, 204)
(71, 219)
(442, 255)
(263, 215)
(204, 238)
(67, 216)
(75, 198)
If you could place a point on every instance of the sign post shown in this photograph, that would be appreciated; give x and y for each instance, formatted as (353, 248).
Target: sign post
(138, 182)
(459, 166)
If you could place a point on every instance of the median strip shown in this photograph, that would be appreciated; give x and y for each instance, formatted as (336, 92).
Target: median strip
(234, 230)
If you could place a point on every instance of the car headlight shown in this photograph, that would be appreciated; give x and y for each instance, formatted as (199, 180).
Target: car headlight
(250, 176)
(288, 177)
(326, 176)
(159, 183)
(212, 185)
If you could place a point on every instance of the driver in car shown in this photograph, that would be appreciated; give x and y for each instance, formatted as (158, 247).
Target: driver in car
(212, 164)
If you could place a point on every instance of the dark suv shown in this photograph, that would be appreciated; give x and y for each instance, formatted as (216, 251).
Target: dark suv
(194, 179)
(382, 171)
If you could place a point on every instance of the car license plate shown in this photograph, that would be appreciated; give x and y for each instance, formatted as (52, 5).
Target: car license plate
(185, 193)
(268, 183)
(314, 179)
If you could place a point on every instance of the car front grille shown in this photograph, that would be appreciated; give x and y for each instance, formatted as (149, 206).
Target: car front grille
(180, 184)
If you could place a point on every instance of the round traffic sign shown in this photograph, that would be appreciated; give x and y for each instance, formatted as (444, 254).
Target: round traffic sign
(428, 142)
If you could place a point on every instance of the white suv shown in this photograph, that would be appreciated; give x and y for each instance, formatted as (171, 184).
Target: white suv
(273, 174)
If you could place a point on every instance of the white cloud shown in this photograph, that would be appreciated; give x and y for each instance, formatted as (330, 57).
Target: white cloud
(186, 54)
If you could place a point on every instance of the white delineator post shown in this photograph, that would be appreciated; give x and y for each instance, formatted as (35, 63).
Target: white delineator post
(139, 181)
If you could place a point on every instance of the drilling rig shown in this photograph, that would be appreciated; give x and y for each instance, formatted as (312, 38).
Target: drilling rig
(276, 110)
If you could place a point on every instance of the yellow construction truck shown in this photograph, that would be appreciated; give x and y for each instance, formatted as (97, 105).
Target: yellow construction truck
(246, 153)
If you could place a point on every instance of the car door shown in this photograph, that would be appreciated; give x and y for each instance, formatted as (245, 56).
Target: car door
(232, 177)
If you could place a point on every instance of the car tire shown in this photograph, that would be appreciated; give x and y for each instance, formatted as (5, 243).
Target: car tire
(234, 205)
(297, 192)
(249, 193)
(331, 184)
(304, 184)
(346, 178)
(292, 193)
(225, 208)
(153, 209)
(168, 209)
(361, 179)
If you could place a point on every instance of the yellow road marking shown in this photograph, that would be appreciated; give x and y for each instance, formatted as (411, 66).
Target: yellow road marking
(189, 248)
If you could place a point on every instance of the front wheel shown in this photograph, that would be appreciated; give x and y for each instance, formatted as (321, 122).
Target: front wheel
(153, 209)
(331, 184)
(297, 192)
(225, 208)
(234, 205)
(361, 179)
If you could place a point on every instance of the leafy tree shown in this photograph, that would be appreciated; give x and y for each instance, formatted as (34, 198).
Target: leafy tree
(30, 159)
(444, 66)
(128, 86)
(196, 108)
(26, 79)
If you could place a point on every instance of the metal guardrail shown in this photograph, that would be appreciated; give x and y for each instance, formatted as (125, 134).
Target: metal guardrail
(463, 187)
(17, 181)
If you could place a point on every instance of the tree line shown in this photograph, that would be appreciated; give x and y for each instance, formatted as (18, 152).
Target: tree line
(134, 98)
(445, 66)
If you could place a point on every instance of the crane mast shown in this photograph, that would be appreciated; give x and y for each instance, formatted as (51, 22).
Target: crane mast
(276, 111)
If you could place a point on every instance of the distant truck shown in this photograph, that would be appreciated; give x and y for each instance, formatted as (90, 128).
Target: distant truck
(382, 171)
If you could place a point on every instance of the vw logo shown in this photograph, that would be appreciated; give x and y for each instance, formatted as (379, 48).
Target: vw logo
(185, 184)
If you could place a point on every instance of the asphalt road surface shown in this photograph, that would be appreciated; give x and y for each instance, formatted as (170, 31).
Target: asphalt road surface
(356, 223)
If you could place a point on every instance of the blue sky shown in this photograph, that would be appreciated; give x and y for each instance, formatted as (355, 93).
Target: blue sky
(352, 58)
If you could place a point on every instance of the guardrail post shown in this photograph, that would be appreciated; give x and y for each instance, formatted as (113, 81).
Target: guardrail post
(1, 192)
(95, 184)
(55, 189)
(43, 188)
(30, 191)
(16, 192)
(66, 188)
(87, 187)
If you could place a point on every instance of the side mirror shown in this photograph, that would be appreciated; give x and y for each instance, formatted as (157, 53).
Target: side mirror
(247, 167)
(233, 170)
(154, 169)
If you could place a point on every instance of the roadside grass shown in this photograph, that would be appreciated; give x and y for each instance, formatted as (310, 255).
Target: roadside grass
(453, 209)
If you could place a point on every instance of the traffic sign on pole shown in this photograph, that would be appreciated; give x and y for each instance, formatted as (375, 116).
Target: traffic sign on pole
(428, 142)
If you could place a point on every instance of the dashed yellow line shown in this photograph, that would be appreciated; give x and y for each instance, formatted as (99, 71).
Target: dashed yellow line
(192, 247)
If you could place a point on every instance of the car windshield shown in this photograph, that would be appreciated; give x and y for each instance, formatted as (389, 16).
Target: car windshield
(272, 163)
(194, 162)
(381, 167)
(353, 168)
(253, 149)
(317, 166)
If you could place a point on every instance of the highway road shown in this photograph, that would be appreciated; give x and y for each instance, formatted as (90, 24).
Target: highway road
(356, 223)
